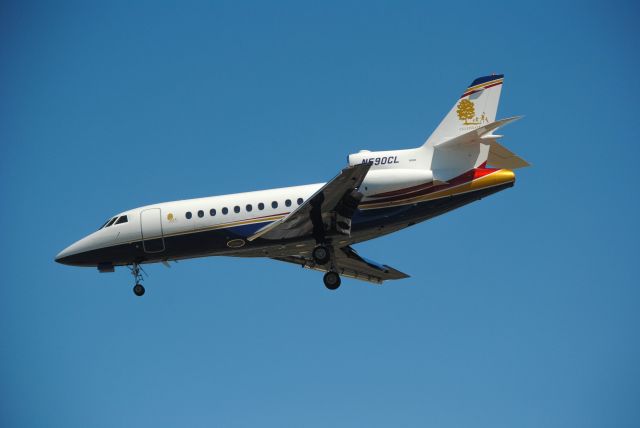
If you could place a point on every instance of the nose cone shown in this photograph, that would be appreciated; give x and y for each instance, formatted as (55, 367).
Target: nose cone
(66, 256)
(79, 253)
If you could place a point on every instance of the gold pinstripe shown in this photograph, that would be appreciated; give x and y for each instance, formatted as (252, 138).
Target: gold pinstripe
(496, 178)
(215, 227)
(492, 82)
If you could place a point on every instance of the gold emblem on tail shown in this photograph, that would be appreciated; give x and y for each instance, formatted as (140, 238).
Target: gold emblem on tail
(467, 113)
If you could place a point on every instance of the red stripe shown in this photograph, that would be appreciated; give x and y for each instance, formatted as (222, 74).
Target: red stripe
(467, 177)
(401, 191)
(481, 89)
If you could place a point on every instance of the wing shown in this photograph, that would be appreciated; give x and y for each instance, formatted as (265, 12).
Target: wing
(333, 204)
(350, 264)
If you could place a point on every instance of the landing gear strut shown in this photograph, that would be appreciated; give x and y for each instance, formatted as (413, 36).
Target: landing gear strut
(136, 271)
(323, 255)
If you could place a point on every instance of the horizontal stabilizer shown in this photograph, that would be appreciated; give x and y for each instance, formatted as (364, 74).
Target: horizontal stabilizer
(473, 149)
(472, 137)
(501, 157)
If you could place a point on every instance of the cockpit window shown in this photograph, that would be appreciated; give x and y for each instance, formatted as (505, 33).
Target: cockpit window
(104, 224)
(122, 219)
(111, 222)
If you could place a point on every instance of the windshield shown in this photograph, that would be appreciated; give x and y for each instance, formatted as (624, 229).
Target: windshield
(108, 222)
(111, 221)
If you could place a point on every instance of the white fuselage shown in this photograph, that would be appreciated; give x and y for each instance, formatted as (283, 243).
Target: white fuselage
(190, 215)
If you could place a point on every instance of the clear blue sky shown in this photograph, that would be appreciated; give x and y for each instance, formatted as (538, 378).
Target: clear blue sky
(522, 310)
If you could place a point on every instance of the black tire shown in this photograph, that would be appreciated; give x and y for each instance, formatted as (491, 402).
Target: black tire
(138, 290)
(332, 280)
(321, 255)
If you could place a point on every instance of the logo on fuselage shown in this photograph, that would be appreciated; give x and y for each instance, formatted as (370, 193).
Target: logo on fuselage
(384, 160)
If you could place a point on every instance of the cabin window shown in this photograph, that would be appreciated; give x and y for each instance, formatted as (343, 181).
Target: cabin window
(225, 210)
(111, 221)
(200, 213)
(236, 209)
(249, 207)
(188, 215)
(288, 202)
(300, 201)
(122, 219)
(274, 204)
(212, 212)
(260, 206)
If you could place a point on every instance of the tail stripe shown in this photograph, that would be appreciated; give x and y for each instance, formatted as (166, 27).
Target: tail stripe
(494, 81)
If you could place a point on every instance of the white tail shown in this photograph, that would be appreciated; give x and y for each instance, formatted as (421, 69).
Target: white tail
(464, 140)
(476, 107)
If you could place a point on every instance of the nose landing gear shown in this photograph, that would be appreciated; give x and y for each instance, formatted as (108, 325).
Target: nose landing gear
(138, 290)
(137, 272)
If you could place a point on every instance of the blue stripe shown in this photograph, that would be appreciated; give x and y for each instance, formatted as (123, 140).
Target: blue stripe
(486, 79)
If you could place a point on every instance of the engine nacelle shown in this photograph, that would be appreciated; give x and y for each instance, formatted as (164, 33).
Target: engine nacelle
(380, 181)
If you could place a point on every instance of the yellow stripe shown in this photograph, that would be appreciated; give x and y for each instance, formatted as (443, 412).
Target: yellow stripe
(491, 82)
(496, 178)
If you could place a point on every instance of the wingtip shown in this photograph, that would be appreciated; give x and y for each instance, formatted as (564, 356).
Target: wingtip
(511, 119)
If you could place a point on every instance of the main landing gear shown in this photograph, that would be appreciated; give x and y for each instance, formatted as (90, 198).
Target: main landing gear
(321, 256)
(331, 280)
(137, 271)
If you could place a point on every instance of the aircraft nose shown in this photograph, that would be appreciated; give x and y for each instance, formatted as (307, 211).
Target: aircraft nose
(76, 254)
(63, 256)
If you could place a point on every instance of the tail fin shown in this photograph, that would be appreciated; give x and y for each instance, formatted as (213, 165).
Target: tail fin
(476, 107)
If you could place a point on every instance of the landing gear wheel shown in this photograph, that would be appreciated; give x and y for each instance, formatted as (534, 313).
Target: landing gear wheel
(331, 280)
(321, 255)
(138, 290)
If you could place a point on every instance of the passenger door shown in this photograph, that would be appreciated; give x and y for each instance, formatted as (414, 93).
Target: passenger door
(151, 228)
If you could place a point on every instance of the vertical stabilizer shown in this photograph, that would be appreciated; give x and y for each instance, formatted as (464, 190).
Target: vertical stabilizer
(476, 107)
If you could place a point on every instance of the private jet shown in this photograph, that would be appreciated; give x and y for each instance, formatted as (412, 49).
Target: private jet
(315, 226)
